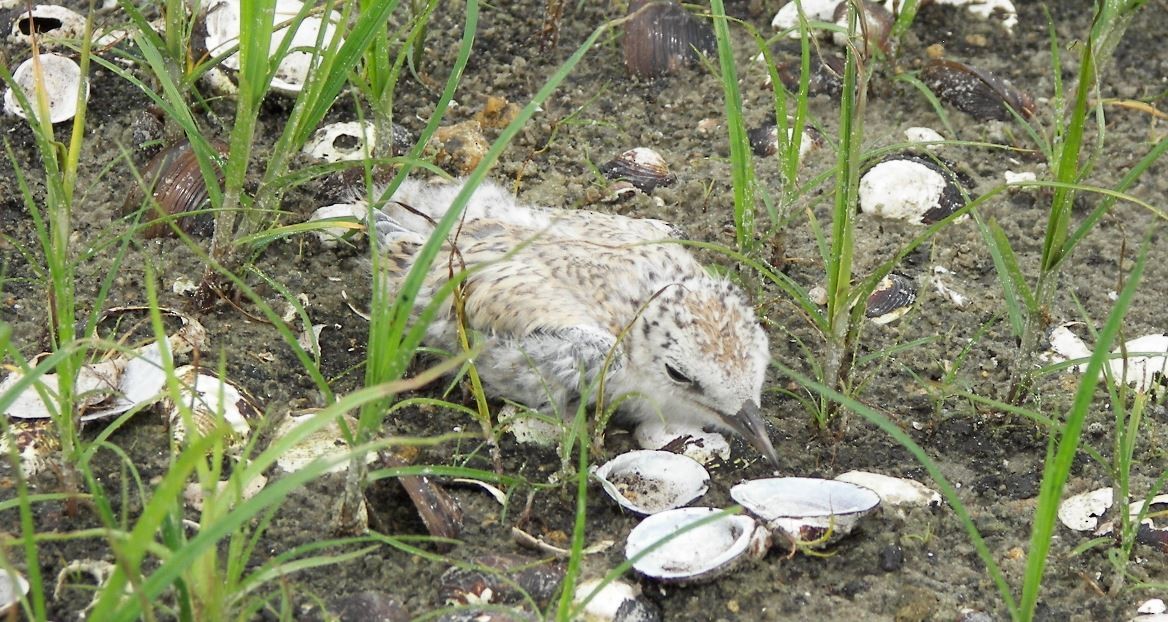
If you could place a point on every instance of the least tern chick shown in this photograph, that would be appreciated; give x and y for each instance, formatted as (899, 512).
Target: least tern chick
(555, 291)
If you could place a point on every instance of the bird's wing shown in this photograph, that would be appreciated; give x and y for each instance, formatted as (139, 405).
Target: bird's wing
(417, 204)
(517, 287)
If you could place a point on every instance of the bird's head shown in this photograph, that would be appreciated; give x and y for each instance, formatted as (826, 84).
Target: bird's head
(699, 357)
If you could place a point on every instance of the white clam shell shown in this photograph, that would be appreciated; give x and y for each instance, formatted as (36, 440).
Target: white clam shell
(53, 23)
(805, 510)
(700, 445)
(328, 442)
(213, 401)
(894, 491)
(328, 236)
(648, 481)
(699, 554)
(13, 587)
(222, 24)
(348, 140)
(62, 79)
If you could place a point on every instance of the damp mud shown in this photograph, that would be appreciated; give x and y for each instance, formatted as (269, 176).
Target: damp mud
(918, 371)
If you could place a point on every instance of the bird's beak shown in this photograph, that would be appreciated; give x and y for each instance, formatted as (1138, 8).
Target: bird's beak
(748, 424)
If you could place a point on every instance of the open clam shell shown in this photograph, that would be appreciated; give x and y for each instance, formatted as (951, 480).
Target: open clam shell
(213, 402)
(648, 481)
(698, 554)
(60, 78)
(808, 511)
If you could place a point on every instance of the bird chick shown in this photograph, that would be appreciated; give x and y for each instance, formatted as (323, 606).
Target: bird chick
(558, 291)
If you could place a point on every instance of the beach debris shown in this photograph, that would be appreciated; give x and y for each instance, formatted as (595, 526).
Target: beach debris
(806, 512)
(703, 544)
(58, 77)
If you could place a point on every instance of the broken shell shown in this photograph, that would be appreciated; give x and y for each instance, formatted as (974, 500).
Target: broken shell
(815, 10)
(894, 491)
(976, 92)
(178, 187)
(327, 443)
(696, 443)
(891, 299)
(13, 588)
(647, 481)
(211, 403)
(1081, 512)
(913, 188)
(61, 81)
(642, 167)
(663, 37)
(35, 441)
(1000, 10)
(806, 511)
(764, 140)
(700, 553)
(350, 140)
(50, 23)
(222, 22)
(924, 135)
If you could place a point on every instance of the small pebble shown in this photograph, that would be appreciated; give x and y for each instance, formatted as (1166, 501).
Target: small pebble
(891, 558)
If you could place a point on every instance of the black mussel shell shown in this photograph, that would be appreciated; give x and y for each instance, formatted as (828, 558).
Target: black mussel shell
(976, 92)
(827, 73)
(891, 298)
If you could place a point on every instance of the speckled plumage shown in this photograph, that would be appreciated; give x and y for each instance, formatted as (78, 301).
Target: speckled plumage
(553, 289)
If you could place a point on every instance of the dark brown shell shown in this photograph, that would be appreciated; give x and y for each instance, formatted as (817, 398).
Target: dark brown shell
(826, 75)
(663, 37)
(876, 27)
(891, 298)
(177, 184)
(642, 167)
(976, 92)
(764, 140)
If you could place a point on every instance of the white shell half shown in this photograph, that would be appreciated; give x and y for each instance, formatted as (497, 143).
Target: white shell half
(1081, 512)
(1000, 10)
(13, 587)
(814, 10)
(222, 23)
(924, 135)
(894, 491)
(213, 402)
(648, 481)
(1145, 367)
(62, 79)
(327, 442)
(900, 190)
(53, 23)
(349, 140)
(354, 212)
(698, 444)
(807, 511)
(604, 605)
(699, 554)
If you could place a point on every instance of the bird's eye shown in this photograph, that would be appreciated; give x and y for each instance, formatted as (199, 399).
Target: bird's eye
(676, 376)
